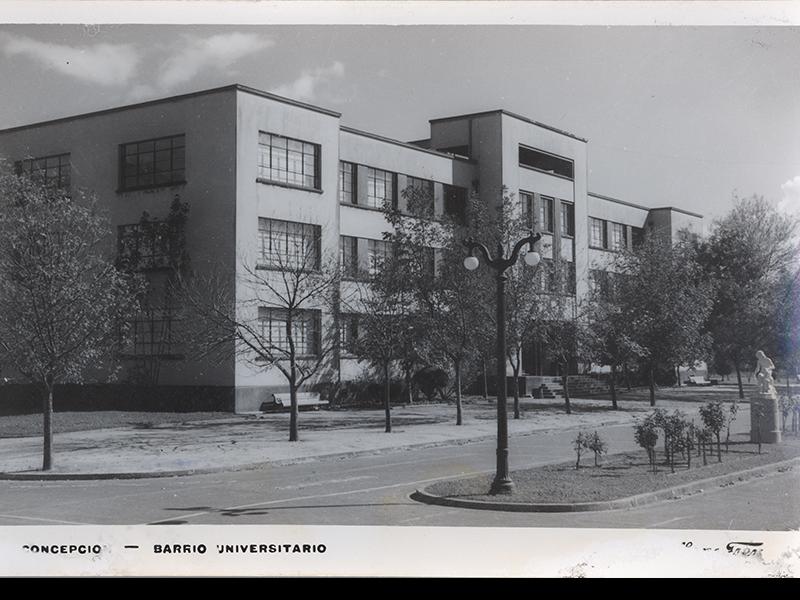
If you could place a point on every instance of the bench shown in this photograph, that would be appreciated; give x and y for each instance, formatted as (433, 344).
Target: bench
(695, 380)
(304, 400)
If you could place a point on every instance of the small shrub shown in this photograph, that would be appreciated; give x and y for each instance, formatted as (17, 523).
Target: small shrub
(597, 445)
(645, 433)
(579, 444)
(714, 420)
(732, 410)
(431, 380)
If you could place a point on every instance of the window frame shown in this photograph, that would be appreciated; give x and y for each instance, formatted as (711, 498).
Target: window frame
(353, 173)
(62, 181)
(372, 187)
(307, 315)
(123, 175)
(354, 270)
(569, 229)
(267, 176)
(603, 233)
(547, 214)
(619, 237)
(263, 263)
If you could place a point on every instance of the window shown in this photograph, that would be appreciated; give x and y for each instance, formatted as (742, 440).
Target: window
(526, 198)
(151, 334)
(598, 238)
(153, 163)
(146, 246)
(462, 151)
(52, 171)
(380, 188)
(348, 333)
(419, 194)
(546, 280)
(289, 245)
(305, 330)
(546, 214)
(455, 203)
(286, 160)
(347, 182)
(379, 252)
(543, 161)
(619, 238)
(568, 275)
(567, 219)
(348, 254)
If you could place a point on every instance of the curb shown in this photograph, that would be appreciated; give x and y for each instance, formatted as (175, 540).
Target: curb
(672, 493)
(42, 476)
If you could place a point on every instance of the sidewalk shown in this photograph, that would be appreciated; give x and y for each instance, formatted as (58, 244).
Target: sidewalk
(246, 441)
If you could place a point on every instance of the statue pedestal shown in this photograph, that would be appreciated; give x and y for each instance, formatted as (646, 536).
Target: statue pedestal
(765, 418)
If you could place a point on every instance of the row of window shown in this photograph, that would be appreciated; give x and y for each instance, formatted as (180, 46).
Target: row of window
(608, 235)
(545, 218)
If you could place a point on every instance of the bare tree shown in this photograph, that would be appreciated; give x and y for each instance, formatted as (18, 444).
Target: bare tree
(63, 302)
(270, 315)
(388, 324)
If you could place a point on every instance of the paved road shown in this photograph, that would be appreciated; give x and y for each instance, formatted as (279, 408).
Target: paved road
(373, 490)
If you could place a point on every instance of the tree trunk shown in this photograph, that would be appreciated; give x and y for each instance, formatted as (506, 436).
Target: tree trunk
(387, 399)
(678, 375)
(688, 449)
(295, 409)
(47, 413)
(703, 444)
(739, 380)
(485, 381)
(652, 382)
(719, 448)
(515, 370)
(613, 384)
(627, 376)
(457, 365)
(565, 385)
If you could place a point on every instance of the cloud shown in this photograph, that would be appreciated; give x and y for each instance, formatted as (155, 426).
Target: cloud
(217, 52)
(790, 202)
(104, 64)
(305, 86)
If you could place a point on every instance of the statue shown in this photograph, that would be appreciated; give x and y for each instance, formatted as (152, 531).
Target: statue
(763, 373)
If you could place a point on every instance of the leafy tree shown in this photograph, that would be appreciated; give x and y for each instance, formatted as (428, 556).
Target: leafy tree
(63, 303)
(747, 254)
(274, 320)
(609, 339)
(714, 420)
(645, 434)
(450, 301)
(663, 293)
(388, 325)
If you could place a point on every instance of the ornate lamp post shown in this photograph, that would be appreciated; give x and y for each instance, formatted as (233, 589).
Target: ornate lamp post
(502, 483)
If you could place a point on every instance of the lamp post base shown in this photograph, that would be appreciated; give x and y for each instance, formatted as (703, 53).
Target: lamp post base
(502, 487)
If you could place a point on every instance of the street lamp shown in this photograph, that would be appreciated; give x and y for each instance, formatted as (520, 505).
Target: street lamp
(502, 483)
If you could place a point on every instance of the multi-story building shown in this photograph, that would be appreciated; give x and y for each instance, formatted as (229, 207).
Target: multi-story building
(259, 171)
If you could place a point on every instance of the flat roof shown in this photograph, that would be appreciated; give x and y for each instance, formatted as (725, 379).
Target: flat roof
(408, 145)
(232, 87)
(513, 115)
(680, 210)
(617, 200)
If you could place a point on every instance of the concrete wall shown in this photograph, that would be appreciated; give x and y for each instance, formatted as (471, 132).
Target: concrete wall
(208, 122)
(255, 199)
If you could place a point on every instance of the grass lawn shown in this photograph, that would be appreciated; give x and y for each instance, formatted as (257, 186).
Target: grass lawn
(31, 425)
(724, 392)
(618, 476)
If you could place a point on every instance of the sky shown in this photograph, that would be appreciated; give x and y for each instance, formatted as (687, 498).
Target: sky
(682, 116)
